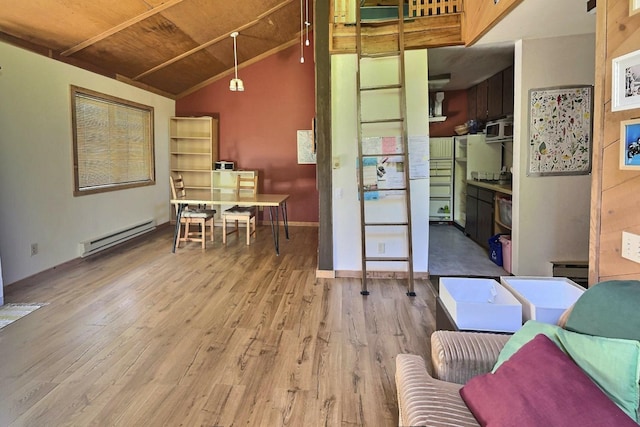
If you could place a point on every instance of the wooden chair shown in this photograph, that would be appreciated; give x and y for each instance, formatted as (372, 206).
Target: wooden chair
(245, 186)
(191, 216)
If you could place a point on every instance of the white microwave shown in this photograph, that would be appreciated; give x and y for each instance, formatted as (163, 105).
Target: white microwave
(499, 130)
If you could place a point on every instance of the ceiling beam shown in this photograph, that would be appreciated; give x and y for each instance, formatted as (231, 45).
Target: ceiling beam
(214, 41)
(120, 27)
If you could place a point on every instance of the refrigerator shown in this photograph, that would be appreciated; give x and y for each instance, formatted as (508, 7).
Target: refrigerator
(471, 154)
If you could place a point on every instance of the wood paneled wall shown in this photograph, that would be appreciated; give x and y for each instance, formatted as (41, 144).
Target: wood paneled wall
(615, 194)
(481, 15)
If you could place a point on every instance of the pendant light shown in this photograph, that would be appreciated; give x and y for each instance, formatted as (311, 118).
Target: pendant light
(235, 84)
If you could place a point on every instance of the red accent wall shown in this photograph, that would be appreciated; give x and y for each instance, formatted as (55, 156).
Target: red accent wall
(455, 108)
(258, 126)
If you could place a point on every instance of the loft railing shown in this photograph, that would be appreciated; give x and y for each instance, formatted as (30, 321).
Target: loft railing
(344, 10)
(434, 7)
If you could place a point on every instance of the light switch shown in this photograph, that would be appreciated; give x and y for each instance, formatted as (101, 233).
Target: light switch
(631, 246)
(338, 193)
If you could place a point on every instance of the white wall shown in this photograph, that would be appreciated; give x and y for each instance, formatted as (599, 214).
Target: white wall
(550, 213)
(36, 165)
(346, 210)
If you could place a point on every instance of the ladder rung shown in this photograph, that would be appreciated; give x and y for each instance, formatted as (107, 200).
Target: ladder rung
(385, 224)
(384, 155)
(375, 190)
(368, 122)
(373, 259)
(385, 87)
(380, 54)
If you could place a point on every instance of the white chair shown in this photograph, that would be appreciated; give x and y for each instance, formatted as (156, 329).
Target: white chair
(247, 187)
(191, 216)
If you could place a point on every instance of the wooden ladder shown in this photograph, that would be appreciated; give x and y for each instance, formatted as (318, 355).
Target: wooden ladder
(367, 128)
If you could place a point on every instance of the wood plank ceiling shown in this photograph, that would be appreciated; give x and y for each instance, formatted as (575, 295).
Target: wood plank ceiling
(171, 47)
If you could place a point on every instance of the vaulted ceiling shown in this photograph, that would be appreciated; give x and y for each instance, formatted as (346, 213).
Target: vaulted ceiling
(172, 47)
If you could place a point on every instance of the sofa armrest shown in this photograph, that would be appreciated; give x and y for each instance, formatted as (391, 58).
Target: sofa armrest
(425, 401)
(459, 356)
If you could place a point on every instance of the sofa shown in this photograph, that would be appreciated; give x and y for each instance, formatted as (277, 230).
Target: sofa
(541, 375)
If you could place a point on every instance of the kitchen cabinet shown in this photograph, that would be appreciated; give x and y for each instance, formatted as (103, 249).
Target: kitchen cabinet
(507, 91)
(479, 226)
(441, 179)
(471, 154)
(482, 93)
(494, 97)
(471, 103)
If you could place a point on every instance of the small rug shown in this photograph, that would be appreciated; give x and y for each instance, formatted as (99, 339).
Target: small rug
(9, 313)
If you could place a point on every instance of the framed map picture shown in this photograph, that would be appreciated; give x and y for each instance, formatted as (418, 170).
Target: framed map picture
(560, 131)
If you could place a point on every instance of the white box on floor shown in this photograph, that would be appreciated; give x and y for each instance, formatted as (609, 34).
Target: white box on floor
(480, 304)
(543, 298)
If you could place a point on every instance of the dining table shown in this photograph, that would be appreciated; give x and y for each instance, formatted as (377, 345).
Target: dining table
(276, 204)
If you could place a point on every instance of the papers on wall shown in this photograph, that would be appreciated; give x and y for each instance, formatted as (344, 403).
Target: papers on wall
(418, 157)
(306, 147)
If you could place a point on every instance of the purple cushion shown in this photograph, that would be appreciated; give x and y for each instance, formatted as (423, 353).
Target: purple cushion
(540, 386)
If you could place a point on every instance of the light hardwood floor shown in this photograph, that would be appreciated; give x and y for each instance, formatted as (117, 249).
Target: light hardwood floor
(230, 336)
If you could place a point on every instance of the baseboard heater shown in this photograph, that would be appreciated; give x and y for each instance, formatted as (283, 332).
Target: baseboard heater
(98, 244)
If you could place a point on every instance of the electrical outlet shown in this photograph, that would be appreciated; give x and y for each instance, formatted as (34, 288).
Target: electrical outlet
(381, 247)
(34, 249)
(631, 246)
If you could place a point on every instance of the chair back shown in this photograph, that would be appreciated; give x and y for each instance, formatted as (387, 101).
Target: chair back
(177, 188)
(246, 185)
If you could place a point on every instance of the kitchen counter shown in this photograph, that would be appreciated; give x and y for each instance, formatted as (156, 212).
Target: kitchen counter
(498, 188)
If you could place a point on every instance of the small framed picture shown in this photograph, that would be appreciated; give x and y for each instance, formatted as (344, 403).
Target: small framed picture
(630, 144)
(625, 93)
(634, 7)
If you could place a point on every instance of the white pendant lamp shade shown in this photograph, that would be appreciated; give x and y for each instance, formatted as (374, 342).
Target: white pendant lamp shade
(235, 85)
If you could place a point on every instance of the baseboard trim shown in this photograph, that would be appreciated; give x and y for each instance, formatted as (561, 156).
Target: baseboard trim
(291, 223)
(325, 274)
(379, 274)
(77, 261)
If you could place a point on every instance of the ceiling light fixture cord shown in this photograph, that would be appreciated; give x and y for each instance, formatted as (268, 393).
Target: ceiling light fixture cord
(301, 33)
(306, 22)
(235, 54)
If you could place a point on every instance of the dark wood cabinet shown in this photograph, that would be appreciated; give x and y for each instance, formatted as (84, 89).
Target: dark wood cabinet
(471, 103)
(491, 99)
(482, 89)
(494, 97)
(485, 217)
(471, 221)
(507, 91)
(479, 221)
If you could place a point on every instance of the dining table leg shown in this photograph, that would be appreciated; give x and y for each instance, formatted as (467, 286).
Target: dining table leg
(275, 229)
(176, 231)
(285, 219)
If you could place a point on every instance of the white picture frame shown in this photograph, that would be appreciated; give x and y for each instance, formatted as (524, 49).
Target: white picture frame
(625, 79)
(630, 144)
(634, 7)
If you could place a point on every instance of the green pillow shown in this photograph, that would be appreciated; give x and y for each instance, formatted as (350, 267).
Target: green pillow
(608, 309)
(523, 335)
(613, 364)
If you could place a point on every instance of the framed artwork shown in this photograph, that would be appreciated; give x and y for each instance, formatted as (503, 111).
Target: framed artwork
(634, 7)
(625, 78)
(560, 131)
(630, 144)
